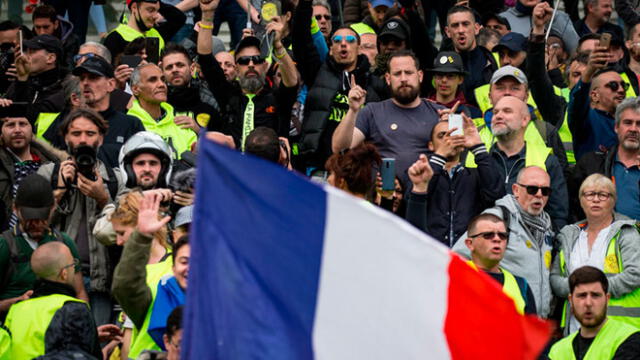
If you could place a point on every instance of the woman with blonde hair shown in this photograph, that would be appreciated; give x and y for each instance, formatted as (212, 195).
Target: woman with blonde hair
(606, 240)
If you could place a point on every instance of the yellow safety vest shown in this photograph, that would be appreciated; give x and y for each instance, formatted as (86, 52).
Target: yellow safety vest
(140, 339)
(612, 334)
(536, 153)
(43, 122)
(625, 308)
(5, 344)
(179, 139)
(28, 322)
(510, 288)
(362, 28)
(630, 91)
(565, 134)
(496, 57)
(129, 34)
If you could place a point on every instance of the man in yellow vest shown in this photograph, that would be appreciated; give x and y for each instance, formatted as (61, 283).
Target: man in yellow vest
(599, 337)
(487, 239)
(53, 309)
(143, 22)
(156, 115)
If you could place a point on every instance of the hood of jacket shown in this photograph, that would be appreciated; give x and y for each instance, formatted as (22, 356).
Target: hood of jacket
(65, 29)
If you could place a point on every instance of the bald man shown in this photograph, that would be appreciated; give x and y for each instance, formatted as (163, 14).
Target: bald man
(53, 310)
(528, 251)
(511, 153)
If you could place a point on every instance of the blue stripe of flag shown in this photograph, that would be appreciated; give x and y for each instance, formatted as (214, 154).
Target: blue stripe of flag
(255, 260)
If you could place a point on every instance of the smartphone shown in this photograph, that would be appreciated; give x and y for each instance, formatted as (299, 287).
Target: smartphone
(605, 40)
(131, 60)
(153, 49)
(20, 40)
(455, 121)
(388, 174)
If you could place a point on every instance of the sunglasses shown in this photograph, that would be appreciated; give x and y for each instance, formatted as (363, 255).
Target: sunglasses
(615, 85)
(348, 38)
(533, 190)
(245, 60)
(489, 235)
(320, 17)
(76, 58)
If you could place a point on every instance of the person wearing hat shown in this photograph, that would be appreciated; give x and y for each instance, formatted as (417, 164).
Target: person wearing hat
(596, 19)
(448, 75)
(20, 155)
(512, 50)
(377, 12)
(143, 22)
(496, 22)
(96, 84)
(250, 101)
(39, 79)
(33, 205)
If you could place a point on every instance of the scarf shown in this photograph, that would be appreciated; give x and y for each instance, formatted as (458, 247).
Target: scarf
(538, 226)
(524, 9)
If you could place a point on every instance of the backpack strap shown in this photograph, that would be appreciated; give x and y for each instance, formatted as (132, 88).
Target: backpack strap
(54, 175)
(10, 238)
(505, 216)
(112, 183)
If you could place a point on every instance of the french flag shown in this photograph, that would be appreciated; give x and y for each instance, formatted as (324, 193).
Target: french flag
(285, 269)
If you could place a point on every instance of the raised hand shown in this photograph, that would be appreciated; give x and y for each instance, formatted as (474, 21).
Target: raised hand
(471, 134)
(541, 16)
(420, 173)
(357, 95)
(209, 5)
(148, 222)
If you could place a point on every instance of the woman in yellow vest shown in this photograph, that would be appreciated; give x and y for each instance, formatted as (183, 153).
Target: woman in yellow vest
(607, 241)
(124, 220)
(135, 285)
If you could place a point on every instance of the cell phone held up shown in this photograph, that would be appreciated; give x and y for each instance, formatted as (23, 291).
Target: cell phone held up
(605, 40)
(131, 60)
(388, 174)
(455, 122)
(152, 47)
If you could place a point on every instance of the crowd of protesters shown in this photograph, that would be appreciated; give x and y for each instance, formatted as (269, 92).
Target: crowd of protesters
(516, 143)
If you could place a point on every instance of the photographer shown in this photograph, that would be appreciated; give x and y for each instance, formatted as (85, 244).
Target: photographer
(83, 185)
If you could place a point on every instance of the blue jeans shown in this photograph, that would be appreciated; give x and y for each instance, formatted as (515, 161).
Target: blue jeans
(100, 303)
(234, 15)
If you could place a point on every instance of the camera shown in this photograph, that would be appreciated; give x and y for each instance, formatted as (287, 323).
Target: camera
(86, 159)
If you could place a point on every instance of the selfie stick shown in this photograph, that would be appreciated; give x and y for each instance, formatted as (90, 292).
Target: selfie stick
(553, 16)
(249, 14)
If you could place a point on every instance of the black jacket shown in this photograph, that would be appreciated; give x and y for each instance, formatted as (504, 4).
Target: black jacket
(43, 92)
(72, 329)
(551, 106)
(444, 212)
(328, 88)
(479, 65)
(189, 100)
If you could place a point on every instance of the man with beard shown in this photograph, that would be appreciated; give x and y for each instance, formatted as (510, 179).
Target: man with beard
(512, 49)
(620, 162)
(530, 230)
(593, 103)
(251, 101)
(143, 22)
(81, 190)
(399, 127)
(599, 337)
(596, 19)
(513, 150)
(34, 204)
(150, 106)
(145, 161)
(479, 63)
(20, 155)
(188, 95)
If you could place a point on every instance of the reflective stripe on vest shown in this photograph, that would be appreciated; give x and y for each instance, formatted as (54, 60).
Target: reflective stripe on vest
(567, 139)
(43, 122)
(28, 322)
(510, 288)
(630, 91)
(141, 340)
(612, 334)
(536, 152)
(625, 308)
(129, 34)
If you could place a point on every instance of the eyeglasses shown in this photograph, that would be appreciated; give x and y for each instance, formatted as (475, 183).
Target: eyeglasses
(615, 85)
(320, 17)
(77, 58)
(489, 235)
(601, 195)
(533, 190)
(348, 38)
(76, 263)
(245, 60)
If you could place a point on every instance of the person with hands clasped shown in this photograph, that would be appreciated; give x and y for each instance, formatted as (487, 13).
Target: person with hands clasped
(453, 194)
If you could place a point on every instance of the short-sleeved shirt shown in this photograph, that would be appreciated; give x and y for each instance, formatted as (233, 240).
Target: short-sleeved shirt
(23, 278)
(398, 132)
(627, 180)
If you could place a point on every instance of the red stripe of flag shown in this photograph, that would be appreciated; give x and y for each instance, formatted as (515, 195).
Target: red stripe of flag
(482, 322)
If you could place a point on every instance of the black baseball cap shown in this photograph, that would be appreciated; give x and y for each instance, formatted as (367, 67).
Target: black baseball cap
(34, 198)
(394, 28)
(15, 110)
(47, 42)
(249, 41)
(94, 65)
(513, 41)
(448, 62)
(500, 19)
